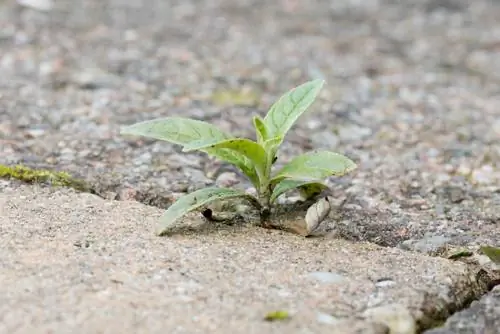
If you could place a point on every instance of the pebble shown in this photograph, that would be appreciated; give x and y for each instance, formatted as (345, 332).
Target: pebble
(314, 124)
(251, 191)
(326, 277)
(429, 244)
(227, 179)
(41, 5)
(325, 139)
(325, 318)
(385, 283)
(92, 78)
(143, 159)
(397, 317)
(180, 161)
(484, 175)
(353, 133)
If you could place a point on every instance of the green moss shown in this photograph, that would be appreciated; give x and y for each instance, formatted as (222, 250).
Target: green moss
(460, 254)
(277, 316)
(53, 178)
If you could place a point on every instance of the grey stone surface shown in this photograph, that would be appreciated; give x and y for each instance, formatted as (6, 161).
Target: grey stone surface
(74, 262)
(482, 317)
(412, 96)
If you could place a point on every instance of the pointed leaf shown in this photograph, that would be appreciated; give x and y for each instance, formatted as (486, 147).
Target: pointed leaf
(246, 147)
(316, 165)
(285, 112)
(260, 129)
(177, 130)
(493, 253)
(185, 131)
(308, 187)
(271, 145)
(196, 200)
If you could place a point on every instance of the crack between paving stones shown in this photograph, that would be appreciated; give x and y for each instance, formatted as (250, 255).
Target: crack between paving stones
(436, 314)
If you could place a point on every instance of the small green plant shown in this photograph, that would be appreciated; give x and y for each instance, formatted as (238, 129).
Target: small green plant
(255, 159)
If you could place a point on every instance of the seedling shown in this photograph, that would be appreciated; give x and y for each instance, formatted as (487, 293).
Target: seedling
(255, 159)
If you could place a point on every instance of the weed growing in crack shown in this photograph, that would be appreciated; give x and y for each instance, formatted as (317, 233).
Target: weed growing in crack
(255, 159)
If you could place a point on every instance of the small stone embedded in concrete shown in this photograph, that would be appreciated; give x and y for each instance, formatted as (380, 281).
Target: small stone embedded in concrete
(484, 175)
(397, 317)
(429, 244)
(326, 318)
(41, 5)
(353, 133)
(326, 277)
(94, 78)
(324, 139)
(227, 179)
(385, 283)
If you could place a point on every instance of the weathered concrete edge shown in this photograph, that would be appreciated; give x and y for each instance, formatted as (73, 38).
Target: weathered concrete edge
(102, 185)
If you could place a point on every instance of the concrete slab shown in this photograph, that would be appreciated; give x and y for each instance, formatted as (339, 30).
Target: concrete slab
(74, 262)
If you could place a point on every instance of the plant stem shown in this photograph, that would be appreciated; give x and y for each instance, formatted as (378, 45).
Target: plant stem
(265, 188)
(264, 199)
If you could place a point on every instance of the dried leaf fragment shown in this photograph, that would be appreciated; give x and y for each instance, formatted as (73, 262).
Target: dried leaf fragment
(317, 213)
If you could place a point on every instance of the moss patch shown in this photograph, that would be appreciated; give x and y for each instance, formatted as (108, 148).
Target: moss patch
(277, 316)
(34, 176)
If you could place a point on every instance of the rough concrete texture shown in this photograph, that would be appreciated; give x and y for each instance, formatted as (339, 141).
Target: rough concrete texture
(74, 262)
(482, 317)
(411, 96)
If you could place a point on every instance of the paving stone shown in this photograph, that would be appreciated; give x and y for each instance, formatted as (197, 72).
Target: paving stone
(74, 262)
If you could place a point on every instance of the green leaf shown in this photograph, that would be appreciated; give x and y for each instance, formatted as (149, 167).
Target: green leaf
(493, 253)
(260, 129)
(308, 188)
(313, 166)
(246, 147)
(185, 131)
(177, 130)
(196, 200)
(271, 145)
(285, 112)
